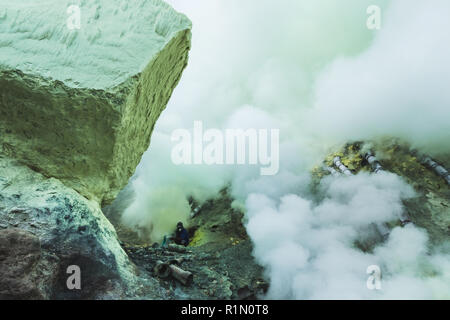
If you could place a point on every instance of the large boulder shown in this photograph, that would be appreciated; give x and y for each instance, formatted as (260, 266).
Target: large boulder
(77, 109)
(45, 225)
(80, 105)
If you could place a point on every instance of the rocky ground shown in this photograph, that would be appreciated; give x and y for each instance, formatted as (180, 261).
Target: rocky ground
(227, 274)
(219, 256)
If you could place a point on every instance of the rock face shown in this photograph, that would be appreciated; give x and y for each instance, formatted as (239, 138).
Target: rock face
(77, 109)
(80, 105)
(56, 228)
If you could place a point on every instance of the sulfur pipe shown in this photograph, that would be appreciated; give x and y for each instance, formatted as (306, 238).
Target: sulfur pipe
(338, 163)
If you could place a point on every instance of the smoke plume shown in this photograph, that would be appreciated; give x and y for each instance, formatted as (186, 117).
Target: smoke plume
(315, 71)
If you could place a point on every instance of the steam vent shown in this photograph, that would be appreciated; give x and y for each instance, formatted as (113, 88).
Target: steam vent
(77, 109)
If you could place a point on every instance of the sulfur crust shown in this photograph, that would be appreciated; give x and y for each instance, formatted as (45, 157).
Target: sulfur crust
(90, 137)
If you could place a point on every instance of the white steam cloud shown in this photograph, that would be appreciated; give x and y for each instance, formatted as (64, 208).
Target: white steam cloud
(398, 86)
(313, 70)
(309, 250)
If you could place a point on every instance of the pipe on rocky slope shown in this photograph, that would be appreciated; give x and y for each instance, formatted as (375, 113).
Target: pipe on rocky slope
(373, 161)
(164, 270)
(331, 170)
(185, 277)
(338, 163)
(439, 169)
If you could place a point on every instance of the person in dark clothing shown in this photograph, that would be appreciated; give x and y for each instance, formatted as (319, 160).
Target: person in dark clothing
(181, 235)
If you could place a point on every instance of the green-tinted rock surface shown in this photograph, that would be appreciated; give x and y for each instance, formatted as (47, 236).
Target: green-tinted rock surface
(81, 108)
(69, 229)
(77, 109)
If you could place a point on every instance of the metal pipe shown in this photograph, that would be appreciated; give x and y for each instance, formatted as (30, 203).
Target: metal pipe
(338, 163)
(185, 277)
(440, 170)
(177, 261)
(373, 161)
(176, 248)
(162, 269)
(405, 219)
(384, 230)
(331, 170)
(196, 211)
